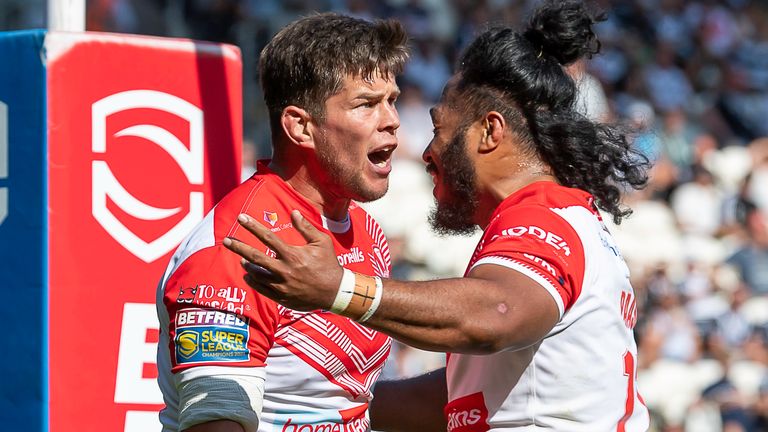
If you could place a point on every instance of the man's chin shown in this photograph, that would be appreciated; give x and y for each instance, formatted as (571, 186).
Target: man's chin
(451, 222)
(370, 194)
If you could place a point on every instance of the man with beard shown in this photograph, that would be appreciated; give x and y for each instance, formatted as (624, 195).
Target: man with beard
(539, 329)
(232, 360)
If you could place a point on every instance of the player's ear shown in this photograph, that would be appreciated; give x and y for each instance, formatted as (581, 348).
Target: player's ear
(297, 125)
(492, 129)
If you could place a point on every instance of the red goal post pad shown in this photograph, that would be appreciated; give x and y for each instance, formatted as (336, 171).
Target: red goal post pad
(144, 137)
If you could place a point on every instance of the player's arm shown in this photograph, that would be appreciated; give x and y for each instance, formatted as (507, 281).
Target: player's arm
(492, 309)
(414, 404)
(221, 401)
(219, 389)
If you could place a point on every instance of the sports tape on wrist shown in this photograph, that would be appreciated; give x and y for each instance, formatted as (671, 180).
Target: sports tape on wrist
(345, 292)
(376, 300)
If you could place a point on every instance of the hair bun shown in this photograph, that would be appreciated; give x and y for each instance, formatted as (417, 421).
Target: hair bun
(563, 30)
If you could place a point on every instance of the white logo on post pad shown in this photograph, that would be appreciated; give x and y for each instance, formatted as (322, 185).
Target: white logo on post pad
(105, 187)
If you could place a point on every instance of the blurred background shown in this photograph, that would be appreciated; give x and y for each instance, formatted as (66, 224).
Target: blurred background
(690, 77)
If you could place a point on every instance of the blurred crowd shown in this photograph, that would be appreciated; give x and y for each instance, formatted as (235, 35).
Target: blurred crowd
(688, 78)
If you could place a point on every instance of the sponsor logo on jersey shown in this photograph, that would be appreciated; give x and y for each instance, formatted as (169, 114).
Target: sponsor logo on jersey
(205, 336)
(188, 343)
(549, 238)
(467, 414)
(225, 294)
(270, 217)
(197, 317)
(606, 240)
(347, 420)
(355, 255)
(543, 263)
(186, 295)
(282, 227)
(356, 425)
(229, 298)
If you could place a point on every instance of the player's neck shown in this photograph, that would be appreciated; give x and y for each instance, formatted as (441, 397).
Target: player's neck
(500, 189)
(298, 176)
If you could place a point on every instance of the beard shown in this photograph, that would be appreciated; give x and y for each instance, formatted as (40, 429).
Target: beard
(453, 216)
(346, 177)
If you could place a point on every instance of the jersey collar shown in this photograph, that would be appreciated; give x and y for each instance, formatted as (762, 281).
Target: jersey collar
(334, 226)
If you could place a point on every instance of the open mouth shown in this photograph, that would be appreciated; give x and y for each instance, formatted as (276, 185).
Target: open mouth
(381, 157)
(432, 171)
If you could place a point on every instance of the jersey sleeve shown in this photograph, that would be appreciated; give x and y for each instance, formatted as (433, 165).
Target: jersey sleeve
(215, 318)
(540, 244)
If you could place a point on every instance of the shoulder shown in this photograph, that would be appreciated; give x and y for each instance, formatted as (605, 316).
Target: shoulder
(541, 218)
(262, 197)
(550, 195)
(235, 202)
(543, 205)
(534, 227)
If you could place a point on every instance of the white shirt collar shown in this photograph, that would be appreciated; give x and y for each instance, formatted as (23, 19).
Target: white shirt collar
(337, 227)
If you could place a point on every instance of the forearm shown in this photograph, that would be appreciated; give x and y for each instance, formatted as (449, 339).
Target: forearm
(490, 310)
(414, 404)
(441, 315)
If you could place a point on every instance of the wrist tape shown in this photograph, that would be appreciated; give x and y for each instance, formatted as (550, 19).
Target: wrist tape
(358, 296)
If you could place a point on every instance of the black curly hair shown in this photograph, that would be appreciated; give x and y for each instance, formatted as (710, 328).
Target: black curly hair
(522, 76)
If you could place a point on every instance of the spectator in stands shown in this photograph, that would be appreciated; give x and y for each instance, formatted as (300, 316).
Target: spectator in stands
(760, 407)
(668, 85)
(698, 204)
(751, 260)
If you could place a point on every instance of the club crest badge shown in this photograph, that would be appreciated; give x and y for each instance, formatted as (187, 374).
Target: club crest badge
(270, 217)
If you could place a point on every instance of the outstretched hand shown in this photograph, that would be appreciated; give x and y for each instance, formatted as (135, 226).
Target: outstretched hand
(302, 278)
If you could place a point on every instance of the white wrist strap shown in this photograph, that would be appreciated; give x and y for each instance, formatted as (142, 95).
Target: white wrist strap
(345, 292)
(376, 300)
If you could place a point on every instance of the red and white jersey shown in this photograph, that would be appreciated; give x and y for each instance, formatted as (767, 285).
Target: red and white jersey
(318, 367)
(581, 376)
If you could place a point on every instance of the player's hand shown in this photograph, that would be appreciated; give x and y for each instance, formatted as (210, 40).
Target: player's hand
(302, 278)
